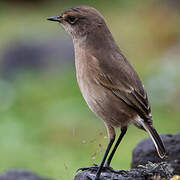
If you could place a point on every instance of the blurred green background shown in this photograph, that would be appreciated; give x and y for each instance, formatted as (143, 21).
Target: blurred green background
(46, 127)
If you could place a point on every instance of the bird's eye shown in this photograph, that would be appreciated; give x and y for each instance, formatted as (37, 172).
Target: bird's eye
(72, 19)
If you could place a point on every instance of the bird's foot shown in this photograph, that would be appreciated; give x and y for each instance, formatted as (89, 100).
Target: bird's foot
(91, 168)
(95, 169)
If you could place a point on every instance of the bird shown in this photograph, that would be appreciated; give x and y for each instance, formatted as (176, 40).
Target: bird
(108, 82)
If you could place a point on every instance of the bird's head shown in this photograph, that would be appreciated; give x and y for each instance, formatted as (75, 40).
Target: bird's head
(80, 20)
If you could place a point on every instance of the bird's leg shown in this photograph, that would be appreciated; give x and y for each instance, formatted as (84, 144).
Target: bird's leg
(111, 134)
(123, 132)
(104, 158)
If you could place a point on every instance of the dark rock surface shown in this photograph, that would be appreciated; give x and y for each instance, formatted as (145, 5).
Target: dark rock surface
(146, 164)
(149, 172)
(145, 151)
(15, 174)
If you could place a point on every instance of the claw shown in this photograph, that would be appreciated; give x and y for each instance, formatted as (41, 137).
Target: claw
(82, 169)
(95, 167)
(106, 168)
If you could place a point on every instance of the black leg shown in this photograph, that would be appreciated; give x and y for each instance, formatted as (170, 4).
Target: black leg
(123, 132)
(104, 158)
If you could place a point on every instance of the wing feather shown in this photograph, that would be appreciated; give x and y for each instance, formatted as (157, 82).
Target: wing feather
(128, 94)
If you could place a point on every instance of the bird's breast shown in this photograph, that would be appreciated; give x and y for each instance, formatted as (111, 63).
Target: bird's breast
(86, 84)
(86, 77)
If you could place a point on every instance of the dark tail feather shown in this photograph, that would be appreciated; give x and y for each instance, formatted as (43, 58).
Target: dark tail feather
(156, 139)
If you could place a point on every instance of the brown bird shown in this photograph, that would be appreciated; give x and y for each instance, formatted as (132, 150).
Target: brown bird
(108, 82)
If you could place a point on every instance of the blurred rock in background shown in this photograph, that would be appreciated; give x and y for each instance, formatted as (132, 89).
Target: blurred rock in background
(20, 175)
(35, 56)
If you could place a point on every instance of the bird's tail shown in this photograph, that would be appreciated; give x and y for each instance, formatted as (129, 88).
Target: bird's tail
(156, 139)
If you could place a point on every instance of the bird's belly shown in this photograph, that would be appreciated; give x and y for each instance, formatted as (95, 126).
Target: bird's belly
(105, 105)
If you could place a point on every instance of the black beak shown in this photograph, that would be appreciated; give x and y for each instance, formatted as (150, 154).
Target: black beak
(55, 18)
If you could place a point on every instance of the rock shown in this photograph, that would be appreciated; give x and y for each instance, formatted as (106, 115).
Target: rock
(145, 151)
(15, 174)
(149, 172)
(35, 56)
(146, 164)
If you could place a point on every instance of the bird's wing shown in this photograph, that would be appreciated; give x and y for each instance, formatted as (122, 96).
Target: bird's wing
(122, 80)
(129, 95)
